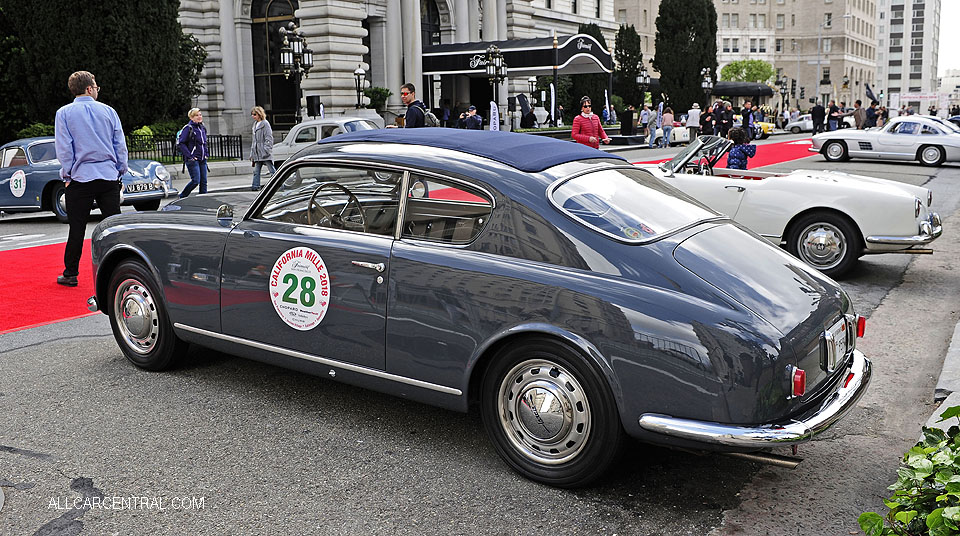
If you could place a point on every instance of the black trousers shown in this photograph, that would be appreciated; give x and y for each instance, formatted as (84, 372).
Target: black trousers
(80, 197)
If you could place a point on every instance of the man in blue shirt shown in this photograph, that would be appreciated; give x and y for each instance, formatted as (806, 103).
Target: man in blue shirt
(93, 155)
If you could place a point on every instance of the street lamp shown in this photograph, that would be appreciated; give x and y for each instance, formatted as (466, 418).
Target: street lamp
(295, 58)
(496, 71)
(707, 84)
(783, 94)
(820, 48)
(532, 83)
(643, 82)
(359, 75)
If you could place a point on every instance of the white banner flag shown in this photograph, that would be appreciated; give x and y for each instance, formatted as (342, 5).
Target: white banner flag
(553, 104)
(609, 110)
(494, 116)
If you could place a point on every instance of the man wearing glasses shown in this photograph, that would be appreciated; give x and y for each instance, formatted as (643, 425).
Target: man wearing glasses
(415, 109)
(587, 129)
(93, 156)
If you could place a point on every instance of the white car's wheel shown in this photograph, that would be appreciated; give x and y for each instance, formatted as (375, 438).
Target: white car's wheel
(795, 130)
(826, 241)
(835, 151)
(931, 155)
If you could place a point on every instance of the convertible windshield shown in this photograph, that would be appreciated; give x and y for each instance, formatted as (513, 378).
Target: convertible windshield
(704, 147)
(627, 204)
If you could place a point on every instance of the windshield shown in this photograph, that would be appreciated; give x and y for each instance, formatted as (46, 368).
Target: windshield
(627, 204)
(43, 152)
(354, 126)
(946, 124)
(709, 147)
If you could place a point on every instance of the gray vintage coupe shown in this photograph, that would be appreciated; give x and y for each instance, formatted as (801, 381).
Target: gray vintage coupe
(572, 299)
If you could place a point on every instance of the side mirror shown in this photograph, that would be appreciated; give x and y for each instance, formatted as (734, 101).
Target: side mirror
(225, 215)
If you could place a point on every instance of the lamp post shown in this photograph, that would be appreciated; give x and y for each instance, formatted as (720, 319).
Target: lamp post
(820, 48)
(532, 83)
(496, 71)
(783, 94)
(295, 59)
(359, 75)
(643, 82)
(706, 84)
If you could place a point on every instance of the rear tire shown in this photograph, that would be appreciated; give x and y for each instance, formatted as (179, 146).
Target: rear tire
(58, 201)
(826, 241)
(795, 130)
(550, 415)
(835, 151)
(931, 155)
(147, 206)
(139, 318)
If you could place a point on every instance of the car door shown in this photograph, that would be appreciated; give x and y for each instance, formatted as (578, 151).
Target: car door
(722, 194)
(899, 140)
(19, 187)
(307, 270)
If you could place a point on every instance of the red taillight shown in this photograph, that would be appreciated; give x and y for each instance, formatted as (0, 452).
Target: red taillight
(861, 325)
(799, 382)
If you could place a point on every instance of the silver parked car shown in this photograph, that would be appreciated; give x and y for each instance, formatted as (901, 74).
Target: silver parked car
(310, 132)
(930, 140)
(804, 123)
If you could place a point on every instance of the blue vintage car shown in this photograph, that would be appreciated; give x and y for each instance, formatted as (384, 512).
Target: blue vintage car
(571, 298)
(30, 180)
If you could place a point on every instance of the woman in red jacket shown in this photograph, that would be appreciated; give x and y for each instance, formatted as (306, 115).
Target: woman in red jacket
(586, 126)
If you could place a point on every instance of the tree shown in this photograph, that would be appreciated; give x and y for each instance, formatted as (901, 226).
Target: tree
(629, 59)
(590, 85)
(136, 49)
(686, 42)
(13, 114)
(748, 71)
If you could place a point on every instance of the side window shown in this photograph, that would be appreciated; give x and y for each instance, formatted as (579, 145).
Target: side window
(444, 210)
(364, 200)
(329, 130)
(907, 127)
(43, 152)
(14, 157)
(929, 130)
(307, 135)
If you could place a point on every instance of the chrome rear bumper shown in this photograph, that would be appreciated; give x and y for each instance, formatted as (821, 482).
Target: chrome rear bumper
(769, 435)
(929, 231)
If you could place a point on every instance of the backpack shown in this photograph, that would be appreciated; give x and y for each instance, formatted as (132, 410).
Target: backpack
(429, 118)
(189, 137)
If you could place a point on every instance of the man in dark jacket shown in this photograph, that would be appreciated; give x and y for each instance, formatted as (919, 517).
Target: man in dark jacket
(415, 108)
(470, 120)
(871, 120)
(817, 114)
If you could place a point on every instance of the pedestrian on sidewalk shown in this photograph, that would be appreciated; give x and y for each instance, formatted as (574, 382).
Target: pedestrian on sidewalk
(587, 129)
(667, 122)
(261, 150)
(642, 123)
(693, 122)
(192, 143)
(93, 156)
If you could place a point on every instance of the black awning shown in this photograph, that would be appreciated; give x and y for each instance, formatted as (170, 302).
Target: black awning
(742, 89)
(575, 54)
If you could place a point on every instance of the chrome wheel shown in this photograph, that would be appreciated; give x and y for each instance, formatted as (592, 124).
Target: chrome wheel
(931, 156)
(544, 412)
(835, 151)
(822, 245)
(136, 316)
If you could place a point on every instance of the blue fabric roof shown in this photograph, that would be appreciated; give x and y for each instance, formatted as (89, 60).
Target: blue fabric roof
(526, 152)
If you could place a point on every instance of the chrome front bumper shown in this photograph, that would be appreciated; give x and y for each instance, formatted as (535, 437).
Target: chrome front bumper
(769, 435)
(929, 231)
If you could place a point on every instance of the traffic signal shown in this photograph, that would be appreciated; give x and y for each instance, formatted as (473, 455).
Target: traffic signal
(881, 96)
(802, 91)
(793, 87)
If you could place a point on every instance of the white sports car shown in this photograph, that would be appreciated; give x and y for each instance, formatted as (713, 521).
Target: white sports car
(930, 140)
(827, 219)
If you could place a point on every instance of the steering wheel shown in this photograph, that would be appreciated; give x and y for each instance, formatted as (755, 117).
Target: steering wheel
(337, 220)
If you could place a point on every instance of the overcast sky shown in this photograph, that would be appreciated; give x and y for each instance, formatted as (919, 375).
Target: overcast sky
(948, 58)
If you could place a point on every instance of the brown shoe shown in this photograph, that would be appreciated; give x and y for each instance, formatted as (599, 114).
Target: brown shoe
(67, 280)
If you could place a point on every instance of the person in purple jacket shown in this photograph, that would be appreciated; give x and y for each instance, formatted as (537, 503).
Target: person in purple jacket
(741, 150)
(192, 143)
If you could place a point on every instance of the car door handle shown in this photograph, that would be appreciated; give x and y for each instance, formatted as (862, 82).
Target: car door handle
(251, 234)
(738, 188)
(373, 266)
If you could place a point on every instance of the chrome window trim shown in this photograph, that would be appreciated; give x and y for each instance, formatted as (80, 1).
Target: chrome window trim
(559, 182)
(322, 360)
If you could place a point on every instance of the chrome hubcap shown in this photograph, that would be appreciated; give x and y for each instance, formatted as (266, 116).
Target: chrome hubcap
(835, 150)
(136, 315)
(544, 411)
(931, 154)
(822, 245)
(62, 201)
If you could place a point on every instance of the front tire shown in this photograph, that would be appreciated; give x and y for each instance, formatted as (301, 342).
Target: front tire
(550, 414)
(139, 319)
(58, 201)
(795, 130)
(826, 241)
(931, 155)
(147, 206)
(835, 151)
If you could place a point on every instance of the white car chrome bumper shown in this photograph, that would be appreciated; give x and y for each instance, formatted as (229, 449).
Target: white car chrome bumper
(929, 231)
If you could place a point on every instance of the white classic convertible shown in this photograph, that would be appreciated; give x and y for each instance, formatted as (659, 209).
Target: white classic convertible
(828, 219)
(930, 140)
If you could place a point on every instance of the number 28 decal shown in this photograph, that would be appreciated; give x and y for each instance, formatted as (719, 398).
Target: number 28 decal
(300, 288)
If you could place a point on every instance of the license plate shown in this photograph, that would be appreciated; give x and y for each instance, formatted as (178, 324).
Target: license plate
(835, 345)
(140, 187)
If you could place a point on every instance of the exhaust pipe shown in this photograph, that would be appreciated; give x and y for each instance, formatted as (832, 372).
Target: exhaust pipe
(767, 458)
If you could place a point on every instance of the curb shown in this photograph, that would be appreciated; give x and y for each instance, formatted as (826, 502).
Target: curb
(949, 382)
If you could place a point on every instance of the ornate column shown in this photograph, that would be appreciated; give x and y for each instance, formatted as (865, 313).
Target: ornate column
(394, 55)
(413, 45)
(231, 115)
(193, 19)
(473, 19)
(334, 32)
(489, 20)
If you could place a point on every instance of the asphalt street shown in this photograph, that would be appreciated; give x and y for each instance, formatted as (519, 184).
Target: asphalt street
(91, 445)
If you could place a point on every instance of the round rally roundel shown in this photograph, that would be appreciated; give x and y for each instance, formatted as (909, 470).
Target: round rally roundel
(18, 183)
(300, 288)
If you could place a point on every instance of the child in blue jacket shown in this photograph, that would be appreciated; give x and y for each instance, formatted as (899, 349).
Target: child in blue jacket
(741, 150)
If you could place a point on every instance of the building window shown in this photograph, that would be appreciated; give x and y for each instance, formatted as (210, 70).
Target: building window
(726, 44)
(753, 45)
(753, 21)
(826, 74)
(895, 70)
(918, 13)
(761, 21)
(644, 18)
(827, 20)
(598, 9)
(763, 45)
(916, 55)
(780, 21)
(916, 68)
(894, 42)
(735, 20)
(915, 41)
(573, 7)
(779, 45)
(918, 27)
(734, 44)
(894, 28)
(622, 16)
(725, 18)
(793, 19)
(779, 1)
(827, 44)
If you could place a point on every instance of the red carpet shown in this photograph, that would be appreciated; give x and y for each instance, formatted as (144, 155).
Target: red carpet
(767, 155)
(30, 295)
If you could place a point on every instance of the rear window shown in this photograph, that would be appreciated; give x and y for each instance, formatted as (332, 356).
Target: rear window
(627, 204)
(43, 152)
